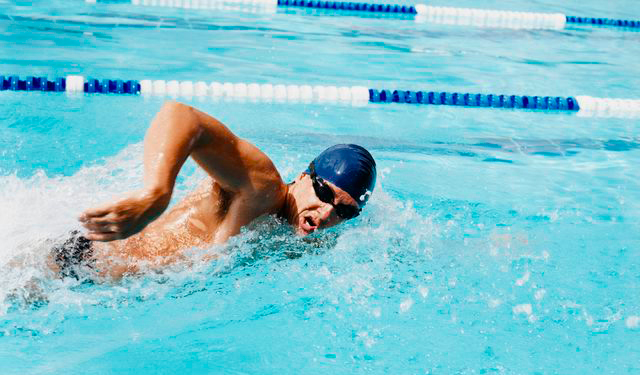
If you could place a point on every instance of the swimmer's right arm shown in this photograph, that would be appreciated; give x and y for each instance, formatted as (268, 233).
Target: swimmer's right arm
(177, 132)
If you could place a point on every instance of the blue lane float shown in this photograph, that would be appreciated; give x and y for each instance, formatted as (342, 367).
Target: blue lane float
(351, 6)
(546, 103)
(356, 95)
(603, 22)
(14, 83)
(417, 12)
(105, 86)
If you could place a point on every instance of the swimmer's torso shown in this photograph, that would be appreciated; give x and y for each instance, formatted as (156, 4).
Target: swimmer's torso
(204, 217)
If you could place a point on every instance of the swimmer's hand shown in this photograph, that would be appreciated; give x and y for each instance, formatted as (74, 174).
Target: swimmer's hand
(125, 217)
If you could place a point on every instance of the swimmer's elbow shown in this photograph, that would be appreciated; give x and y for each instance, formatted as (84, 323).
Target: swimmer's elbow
(179, 115)
(176, 108)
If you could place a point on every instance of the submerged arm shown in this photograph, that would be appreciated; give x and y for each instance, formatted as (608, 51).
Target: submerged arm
(177, 132)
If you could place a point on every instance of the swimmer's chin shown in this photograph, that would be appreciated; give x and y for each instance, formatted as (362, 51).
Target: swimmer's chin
(301, 232)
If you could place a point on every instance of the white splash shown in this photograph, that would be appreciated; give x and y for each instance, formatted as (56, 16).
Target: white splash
(406, 305)
(424, 291)
(633, 322)
(524, 308)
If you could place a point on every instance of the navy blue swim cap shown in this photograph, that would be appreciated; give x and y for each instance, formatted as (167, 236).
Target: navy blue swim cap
(349, 167)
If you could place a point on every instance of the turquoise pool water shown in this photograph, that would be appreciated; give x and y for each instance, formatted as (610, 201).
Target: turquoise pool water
(497, 242)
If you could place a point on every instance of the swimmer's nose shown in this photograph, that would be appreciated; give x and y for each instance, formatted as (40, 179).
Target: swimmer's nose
(325, 212)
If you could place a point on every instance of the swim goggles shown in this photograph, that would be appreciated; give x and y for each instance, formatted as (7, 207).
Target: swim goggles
(325, 194)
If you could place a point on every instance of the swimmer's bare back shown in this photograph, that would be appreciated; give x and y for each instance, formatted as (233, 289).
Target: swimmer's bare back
(243, 184)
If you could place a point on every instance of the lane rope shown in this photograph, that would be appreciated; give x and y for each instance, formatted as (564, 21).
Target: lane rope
(356, 95)
(420, 12)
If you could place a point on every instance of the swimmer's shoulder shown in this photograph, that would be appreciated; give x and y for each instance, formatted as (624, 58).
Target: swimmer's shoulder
(265, 186)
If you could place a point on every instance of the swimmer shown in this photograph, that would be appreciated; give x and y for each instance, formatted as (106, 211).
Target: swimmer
(242, 185)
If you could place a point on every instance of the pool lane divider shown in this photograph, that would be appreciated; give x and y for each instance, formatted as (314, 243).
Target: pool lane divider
(420, 12)
(69, 84)
(356, 95)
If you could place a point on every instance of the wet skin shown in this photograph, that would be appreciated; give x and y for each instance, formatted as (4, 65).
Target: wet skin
(243, 185)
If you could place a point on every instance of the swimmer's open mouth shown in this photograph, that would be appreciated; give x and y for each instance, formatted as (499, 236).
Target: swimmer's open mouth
(310, 221)
(307, 225)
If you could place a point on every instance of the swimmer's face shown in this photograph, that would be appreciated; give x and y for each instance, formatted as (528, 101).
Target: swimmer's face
(314, 213)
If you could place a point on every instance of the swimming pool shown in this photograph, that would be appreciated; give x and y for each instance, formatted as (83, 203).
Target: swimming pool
(497, 241)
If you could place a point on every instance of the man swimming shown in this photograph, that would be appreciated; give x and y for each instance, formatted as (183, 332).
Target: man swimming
(243, 185)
